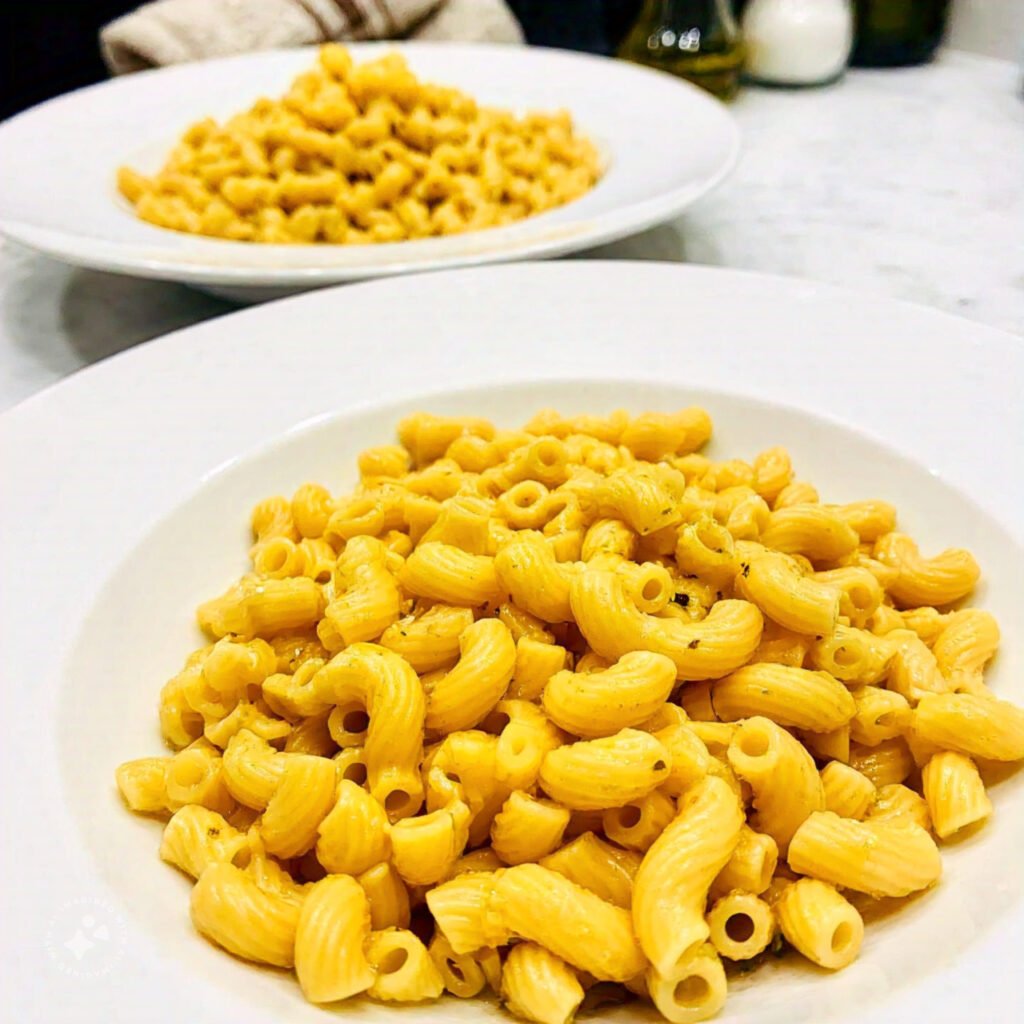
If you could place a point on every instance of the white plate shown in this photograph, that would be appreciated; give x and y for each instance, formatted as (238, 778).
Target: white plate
(665, 143)
(126, 489)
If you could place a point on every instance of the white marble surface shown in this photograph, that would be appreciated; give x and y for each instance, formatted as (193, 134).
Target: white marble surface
(908, 183)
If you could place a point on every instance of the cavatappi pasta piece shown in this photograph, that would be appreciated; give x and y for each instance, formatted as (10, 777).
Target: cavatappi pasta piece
(788, 696)
(605, 870)
(896, 802)
(741, 925)
(954, 793)
(693, 990)
(462, 697)
(880, 858)
(935, 581)
(819, 923)
(527, 829)
(603, 702)
(848, 793)
(774, 582)
(540, 905)
(829, 746)
(705, 548)
(430, 641)
(443, 572)
(232, 910)
(387, 895)
(143, 784)
(354, 836)
(870, 519)
(781, 774)
(608, 537)
(403, 969)
(302, 800)
(773, 470)
(333, 928)
(646, 498)
(389, 689)
(466, 911)
(638, 824)
(538, 986)
(195, 838)
(606, 772)
(311, 736)
(366, 599)
(751, 865)
(671, 886)
(707, 649)
(536, 663)
(965, 646)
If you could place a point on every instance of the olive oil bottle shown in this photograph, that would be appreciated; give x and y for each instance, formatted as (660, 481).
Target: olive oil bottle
(891, 33)
(698, 40)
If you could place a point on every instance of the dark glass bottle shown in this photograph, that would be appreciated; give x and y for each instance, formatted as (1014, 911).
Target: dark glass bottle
(892, 33)
(696, 39)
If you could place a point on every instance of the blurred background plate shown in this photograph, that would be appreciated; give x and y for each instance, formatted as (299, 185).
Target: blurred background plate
(665, 143)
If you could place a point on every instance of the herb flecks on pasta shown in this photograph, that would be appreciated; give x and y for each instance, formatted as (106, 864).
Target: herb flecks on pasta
(355, 154)
(597, 707)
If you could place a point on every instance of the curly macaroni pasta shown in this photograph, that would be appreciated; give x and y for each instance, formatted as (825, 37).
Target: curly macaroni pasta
(357, 154)
(531, 711)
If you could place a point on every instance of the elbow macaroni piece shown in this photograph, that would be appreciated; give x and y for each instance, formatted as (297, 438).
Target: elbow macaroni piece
(563, 696)
(536, 985)
(671, 886)
(608, 772)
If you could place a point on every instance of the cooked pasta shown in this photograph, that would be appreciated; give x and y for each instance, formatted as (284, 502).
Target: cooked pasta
(545, 712)
(357, 154)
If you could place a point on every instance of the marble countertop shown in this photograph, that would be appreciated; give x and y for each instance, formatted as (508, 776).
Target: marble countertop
(908, 183)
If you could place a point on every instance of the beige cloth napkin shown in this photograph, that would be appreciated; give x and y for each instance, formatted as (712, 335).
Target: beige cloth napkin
(175, 31)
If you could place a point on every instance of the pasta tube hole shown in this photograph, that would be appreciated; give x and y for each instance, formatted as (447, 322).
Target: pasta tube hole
(691, 991)
(455, 970)
(394, 960)
(739, 927)
(356, 720)
(860, 597)
(187, 772)
(629, 816)
(754, 742)
(355, 772)
(398, 803)
(842, 937)
(845, 656)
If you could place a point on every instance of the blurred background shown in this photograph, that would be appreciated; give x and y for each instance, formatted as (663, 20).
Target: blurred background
(50, 48)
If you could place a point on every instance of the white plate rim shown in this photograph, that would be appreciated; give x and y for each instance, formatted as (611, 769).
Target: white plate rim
(205, 354)
(523, 241)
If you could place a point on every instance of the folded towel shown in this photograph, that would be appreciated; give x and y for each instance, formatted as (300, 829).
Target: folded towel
(175, 31)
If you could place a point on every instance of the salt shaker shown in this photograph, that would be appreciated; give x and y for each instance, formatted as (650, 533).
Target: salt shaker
(797, 42)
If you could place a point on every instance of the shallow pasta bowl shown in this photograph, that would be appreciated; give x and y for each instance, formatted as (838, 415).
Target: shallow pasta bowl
(127, 489)
(664, 143)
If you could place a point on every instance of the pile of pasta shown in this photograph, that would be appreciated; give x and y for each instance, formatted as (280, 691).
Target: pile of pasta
(364, 153)
(571, 713)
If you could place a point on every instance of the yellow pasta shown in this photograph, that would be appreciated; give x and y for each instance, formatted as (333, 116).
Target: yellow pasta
(671, 887)
(404, 970)
(954, 793)
(230, 909)
(819, 923)
(333, 927)
(537, 986)
(605, 870)
(741, 925)
(600, 703)
(788, 696)
(782, 775)
(561, 697)
(608, 772)
(880, 858)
